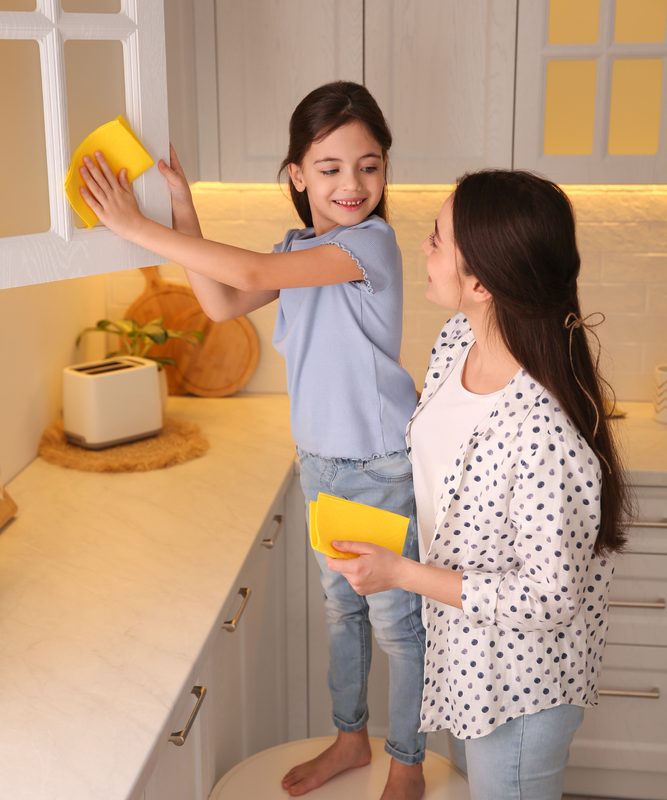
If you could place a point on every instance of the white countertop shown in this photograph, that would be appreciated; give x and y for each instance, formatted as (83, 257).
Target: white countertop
(112, 583)
(109, 587)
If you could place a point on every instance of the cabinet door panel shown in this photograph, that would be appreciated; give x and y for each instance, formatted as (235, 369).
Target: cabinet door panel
(63, 251)
(638, 593)
(270, 54)
(443, 73)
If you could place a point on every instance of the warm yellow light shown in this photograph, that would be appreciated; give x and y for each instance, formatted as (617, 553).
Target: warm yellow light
(640, 21)
(573, 21)
(569, 109)
(634, 116)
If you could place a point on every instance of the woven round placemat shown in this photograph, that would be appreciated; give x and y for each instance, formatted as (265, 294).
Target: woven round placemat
(178, 442)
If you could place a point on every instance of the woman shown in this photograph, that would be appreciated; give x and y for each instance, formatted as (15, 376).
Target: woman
(519, 491)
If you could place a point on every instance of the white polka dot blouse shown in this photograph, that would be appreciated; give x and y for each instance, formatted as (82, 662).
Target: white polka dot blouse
(518, 515)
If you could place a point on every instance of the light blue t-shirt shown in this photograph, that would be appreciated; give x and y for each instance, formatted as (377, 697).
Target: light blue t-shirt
(349, 397)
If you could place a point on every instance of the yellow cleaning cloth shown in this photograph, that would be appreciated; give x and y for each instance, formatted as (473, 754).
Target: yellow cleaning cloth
(121, 148)
(335, 518)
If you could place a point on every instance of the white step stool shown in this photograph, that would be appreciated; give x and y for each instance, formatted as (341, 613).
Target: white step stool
(258, 777)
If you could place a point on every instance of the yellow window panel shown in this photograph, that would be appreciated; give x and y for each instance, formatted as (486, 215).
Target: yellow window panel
(640, 21)
(18, 5)
(634, 117)
(91, 6)
(569, 111)
(24, 199)
(573, 21)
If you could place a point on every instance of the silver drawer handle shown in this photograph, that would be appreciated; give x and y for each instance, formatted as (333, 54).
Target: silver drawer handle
(178, 737)
(637, 604)
(272, 538)
(641, 523)
(231, 624)
(649, 694)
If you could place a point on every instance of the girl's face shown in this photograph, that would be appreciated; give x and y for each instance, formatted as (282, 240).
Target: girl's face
(447, 285)
(344, 176)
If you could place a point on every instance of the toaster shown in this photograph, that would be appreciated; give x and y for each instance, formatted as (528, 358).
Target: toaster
(111, 401)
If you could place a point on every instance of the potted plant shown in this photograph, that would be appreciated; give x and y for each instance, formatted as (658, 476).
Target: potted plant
(135, 339)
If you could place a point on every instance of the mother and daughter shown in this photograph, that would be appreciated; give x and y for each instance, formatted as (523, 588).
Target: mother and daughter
(517, 482)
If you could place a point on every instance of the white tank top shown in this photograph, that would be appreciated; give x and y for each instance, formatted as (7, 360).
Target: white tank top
(443, 425)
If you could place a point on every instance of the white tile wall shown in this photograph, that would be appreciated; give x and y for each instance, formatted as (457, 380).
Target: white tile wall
(622, 238)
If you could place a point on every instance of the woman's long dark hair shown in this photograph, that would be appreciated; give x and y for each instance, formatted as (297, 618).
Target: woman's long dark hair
(516, 234)
(323, 111)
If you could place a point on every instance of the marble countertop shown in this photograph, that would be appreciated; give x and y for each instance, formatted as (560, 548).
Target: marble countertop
(109, 588)
(111, 584)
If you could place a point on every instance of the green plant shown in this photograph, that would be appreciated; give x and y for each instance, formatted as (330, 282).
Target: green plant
(137, 340)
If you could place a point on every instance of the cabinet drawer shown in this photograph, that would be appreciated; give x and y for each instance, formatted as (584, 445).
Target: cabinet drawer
(637, 613)
(647, 532)
(627, 731)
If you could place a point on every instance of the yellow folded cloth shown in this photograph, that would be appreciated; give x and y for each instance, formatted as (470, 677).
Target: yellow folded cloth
(121, 148)
(333, 518)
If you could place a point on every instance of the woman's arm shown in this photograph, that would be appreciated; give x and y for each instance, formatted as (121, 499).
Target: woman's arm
(378, 569)
(114, 203)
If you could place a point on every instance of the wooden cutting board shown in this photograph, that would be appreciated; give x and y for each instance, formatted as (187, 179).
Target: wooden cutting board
(224, 362)
(167, 301)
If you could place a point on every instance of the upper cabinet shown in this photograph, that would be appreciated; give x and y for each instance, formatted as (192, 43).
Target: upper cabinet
(68, 66)
(441, 70)
(590, 90)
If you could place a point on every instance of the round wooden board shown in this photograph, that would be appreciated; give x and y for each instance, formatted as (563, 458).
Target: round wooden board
(224, 362)
(166, 301)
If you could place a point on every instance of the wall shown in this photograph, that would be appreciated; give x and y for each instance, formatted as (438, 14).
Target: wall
(622, 233)
(38, 328)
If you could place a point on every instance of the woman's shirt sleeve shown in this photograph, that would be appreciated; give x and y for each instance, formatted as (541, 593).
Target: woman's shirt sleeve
(554, 511)
(372, 245)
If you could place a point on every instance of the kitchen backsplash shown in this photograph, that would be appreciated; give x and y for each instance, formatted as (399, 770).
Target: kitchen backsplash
(622, 234)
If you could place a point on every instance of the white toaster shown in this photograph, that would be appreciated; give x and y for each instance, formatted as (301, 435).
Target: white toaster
(111, 401)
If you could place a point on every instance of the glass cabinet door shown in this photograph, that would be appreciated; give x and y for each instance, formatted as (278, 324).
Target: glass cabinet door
(591, 87)
(68, 66)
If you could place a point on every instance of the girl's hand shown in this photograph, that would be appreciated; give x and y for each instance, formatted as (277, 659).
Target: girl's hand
(376, 570)
(110, 197)
(174, 174)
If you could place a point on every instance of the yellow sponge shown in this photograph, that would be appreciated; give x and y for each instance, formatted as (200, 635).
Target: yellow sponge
(121, 148)
(344, 520)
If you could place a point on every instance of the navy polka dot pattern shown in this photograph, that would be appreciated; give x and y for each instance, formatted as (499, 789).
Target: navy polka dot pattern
(518, 515)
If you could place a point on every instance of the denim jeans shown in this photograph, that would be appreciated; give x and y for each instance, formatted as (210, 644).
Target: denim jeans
(523, 759)
(394, 616)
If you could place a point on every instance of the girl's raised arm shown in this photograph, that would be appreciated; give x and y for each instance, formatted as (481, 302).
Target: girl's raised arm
(112, 199)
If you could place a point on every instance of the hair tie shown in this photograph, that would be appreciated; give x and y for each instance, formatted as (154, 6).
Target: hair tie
(591, 321)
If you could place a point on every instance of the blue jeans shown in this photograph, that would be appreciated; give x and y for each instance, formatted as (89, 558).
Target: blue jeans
(395, 615)
(523, 759)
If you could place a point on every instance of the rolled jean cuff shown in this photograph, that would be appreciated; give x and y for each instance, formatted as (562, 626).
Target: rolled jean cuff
(406, 758)
(353, 727)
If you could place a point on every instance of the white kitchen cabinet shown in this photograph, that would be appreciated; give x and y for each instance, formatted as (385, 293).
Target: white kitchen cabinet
(621, 748)
(441, 70)
(72, 71)
(243, 672)
(591, 105)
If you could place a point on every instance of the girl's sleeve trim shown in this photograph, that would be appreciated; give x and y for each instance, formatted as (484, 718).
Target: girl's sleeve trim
(365, 278)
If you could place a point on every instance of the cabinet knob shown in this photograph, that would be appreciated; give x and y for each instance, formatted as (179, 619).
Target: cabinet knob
(276, 527)
(178, 737)
(231, 624)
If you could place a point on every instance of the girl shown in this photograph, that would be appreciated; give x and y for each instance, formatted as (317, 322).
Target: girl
(339, 285)
(518, 487)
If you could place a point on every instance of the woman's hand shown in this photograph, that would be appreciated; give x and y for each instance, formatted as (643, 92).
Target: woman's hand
(110, 197)
(375, 570)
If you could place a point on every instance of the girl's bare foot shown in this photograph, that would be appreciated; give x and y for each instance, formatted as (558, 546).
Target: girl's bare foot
(405, 782)
(350, 750)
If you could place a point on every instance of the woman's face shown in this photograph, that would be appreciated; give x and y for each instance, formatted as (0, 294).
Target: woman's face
(447, 285)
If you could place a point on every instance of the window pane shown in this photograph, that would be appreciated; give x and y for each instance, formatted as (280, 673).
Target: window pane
(18, 5)
(640, 20)
(91, 6)
(634, 118)
(569, 111)
(95, 87)
(573, 21)
(24, 199)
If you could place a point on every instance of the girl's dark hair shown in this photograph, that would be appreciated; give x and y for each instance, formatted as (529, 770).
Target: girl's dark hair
(516, 234)
(323, 111)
